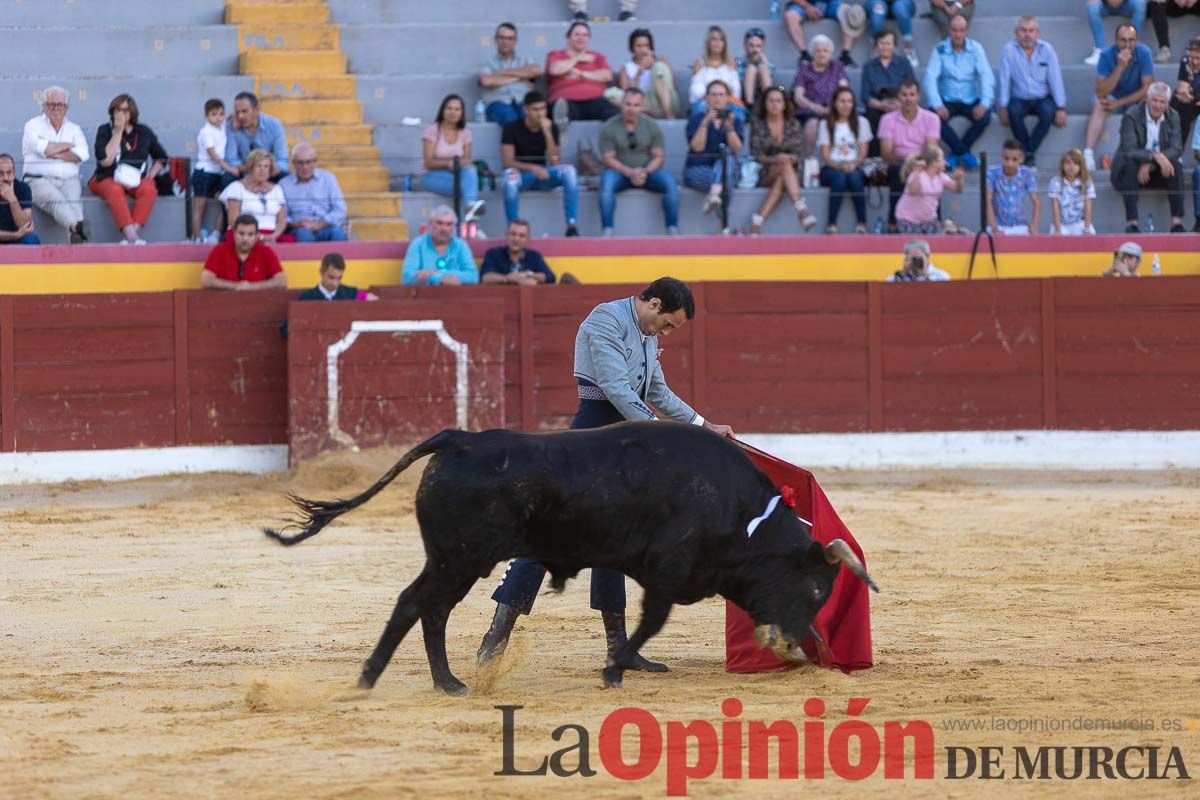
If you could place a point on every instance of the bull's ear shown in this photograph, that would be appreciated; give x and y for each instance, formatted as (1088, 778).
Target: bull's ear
(815, 553)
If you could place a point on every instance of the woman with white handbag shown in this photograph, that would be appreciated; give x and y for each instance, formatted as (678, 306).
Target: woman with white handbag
(127, 163)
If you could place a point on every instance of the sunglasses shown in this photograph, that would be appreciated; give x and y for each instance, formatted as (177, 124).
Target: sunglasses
(632, 139)
(755, 32)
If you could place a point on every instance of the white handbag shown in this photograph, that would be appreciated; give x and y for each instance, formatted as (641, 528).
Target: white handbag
(128, 175)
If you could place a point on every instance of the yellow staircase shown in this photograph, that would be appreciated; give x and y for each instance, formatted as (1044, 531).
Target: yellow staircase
(294, 54)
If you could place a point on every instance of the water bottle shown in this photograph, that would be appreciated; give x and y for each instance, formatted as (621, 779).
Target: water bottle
(775, 10)
(480, 111)
(1156, 266)
(1149, 223)
(406, 183)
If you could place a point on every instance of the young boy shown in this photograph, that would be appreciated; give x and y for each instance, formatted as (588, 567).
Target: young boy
(210, 166)
(1007, 186)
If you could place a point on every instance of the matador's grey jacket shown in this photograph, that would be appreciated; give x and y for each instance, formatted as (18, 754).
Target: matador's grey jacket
(612, 353)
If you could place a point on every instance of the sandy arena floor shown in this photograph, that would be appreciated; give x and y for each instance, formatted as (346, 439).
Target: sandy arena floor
(154, 644)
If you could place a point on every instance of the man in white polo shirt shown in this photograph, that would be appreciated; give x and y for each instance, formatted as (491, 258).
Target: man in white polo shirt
(52, 149)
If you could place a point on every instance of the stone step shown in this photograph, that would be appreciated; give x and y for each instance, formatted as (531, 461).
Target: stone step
(375, 204)
(310, 111)
(327, 87)
(292, 62)
(376, 229)
(338, 155)
(297, 12)
(362, 178)
(277, 36)
(321, 135)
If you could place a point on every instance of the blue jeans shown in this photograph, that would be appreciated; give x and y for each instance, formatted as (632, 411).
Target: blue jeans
(441, 181)
(703, 177)
(962, 146)
(661, 181)
(330, 233)
(502, 113)
(1196, 190)
(901, 11)
(839, 183)
(29, 238)
(1043, 108)
(1134, 9)
(563, 175)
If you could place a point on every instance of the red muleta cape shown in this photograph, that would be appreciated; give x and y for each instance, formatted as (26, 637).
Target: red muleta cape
(844, 622)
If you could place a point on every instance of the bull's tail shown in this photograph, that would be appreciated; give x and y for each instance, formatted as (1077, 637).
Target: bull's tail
(316, 514)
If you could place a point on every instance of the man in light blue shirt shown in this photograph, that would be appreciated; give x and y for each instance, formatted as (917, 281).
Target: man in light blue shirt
(959, 83)
(250, 129)
(1031, 84)
(316, 209)
(439, 258)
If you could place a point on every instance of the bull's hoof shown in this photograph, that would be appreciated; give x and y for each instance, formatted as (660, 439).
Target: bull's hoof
(612, 677)
(453, 687)
(366, 681)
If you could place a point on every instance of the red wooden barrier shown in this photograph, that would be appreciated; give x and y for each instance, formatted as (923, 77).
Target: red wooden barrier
(140, 370)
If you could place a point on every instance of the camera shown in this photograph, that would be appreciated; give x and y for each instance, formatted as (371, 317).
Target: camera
(724, 113)
(915, 263)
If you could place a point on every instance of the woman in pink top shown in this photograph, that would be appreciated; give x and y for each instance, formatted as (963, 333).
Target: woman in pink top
(576, 79)
(449, 137)
(925, 178)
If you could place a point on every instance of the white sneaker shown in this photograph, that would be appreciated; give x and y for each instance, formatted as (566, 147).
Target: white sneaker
(807, 220)
(911, 55)
(713, 201)
(1164, 55)
(1089, 160)
(607, 232)
(139, 241)
(1094, 58)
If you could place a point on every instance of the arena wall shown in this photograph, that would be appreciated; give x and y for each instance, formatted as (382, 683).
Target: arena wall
(94, 372)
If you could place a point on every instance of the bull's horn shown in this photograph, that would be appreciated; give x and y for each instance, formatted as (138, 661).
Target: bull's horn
(816, 636)
(838, 552)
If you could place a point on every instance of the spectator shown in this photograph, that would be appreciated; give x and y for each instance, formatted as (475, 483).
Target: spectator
(513, 262)
(16, 200)
(1126, 260)
(756, 73)
(777, 142)
(813, 87)
(799, 11)
(1134, 9)
(1159, 11)
(944, 12)
(902, 12)
(507, 77)
(959, 83)
(257, 195)
(128, 158)
(1186, 101)
(1031, 84)
(576, 79)
(439, 258)
(918, 265)
(443, 141)
(52, 148)
(717, 64)
(316, 208)
(924, 179)
(843, 141)
(1124, 73)
(243, 261)
(631, 147)
(1007, 187)
(210, 166)
(881, 79)
(529, 153)
(649, 72)
(330, 287)
(1148, 155)
(714, 139)
(627, 10)
(1071, 196)
(903, 133)
(250, 130)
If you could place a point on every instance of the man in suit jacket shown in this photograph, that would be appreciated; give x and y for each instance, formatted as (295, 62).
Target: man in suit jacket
(333, 267)
(619, 378)
(1148, 155)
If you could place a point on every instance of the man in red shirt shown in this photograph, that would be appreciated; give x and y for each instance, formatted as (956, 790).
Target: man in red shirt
(245, 263)
(576, 78)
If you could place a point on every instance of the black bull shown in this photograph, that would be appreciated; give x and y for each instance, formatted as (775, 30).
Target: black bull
(665, 503)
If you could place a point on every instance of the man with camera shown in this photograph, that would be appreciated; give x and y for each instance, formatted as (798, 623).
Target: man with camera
(917, 265)
(714, 140)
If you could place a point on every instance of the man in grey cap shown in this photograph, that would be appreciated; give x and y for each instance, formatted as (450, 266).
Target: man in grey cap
(619, 378)
(1126, 260)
